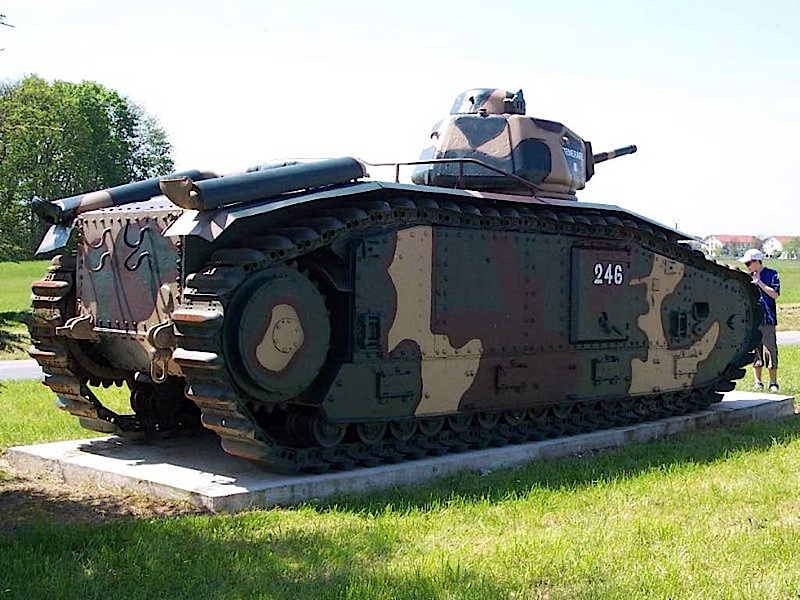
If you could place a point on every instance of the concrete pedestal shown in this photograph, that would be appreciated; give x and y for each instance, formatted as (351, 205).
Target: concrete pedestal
(197, 470)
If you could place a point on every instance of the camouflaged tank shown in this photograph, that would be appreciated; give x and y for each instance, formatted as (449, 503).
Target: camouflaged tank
(316, 319)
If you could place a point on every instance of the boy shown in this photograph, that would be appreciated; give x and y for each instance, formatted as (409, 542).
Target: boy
(769, 287)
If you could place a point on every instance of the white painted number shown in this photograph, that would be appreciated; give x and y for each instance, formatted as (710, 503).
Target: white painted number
(598, 274)
(611, 274)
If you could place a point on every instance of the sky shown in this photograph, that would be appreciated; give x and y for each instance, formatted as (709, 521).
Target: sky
(709, 91)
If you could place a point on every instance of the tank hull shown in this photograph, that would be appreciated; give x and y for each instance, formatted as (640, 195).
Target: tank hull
(385, 323)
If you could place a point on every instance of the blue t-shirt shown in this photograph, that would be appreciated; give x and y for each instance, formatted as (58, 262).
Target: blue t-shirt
(770, 278)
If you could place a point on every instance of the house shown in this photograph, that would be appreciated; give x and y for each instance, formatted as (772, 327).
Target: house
(730, 246)
(781, 246)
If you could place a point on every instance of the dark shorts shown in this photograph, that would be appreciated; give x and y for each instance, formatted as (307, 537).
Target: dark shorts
(767, 350)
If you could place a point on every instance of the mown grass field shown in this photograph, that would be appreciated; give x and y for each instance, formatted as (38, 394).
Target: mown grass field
(713, 514)
(15, 301)
(30, 416)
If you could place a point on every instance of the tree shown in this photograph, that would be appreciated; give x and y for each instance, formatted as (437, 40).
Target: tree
(63, 139)
(792, 248)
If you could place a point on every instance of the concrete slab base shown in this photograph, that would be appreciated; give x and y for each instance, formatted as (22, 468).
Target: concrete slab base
(197, 470)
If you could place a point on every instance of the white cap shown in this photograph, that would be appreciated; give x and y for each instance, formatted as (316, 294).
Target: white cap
(752, 254)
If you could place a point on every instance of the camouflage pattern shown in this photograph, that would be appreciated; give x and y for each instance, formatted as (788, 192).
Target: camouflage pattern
(62, 213)
(489, 125)
(128, 281)
(483, 321)
(315, 320)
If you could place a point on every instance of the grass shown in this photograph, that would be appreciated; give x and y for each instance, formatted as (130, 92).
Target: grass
(788, 373)
(30, 416)
(788, 317)
(703, 516)
(15, 301)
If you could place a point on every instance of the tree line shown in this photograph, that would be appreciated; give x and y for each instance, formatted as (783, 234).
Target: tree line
(60, 139)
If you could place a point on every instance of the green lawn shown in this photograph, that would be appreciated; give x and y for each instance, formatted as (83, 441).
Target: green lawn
(15, 293)
(788, 373)
(29, 413)
(708, 515)
(15, 301)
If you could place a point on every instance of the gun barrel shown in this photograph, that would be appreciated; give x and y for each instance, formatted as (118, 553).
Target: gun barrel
(63, 211)
(603, 156)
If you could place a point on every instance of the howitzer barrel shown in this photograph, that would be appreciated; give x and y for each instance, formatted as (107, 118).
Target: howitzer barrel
(603, 156)
(256, 185)
(63, 211)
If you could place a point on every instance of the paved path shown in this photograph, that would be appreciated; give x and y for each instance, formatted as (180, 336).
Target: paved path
(29, 369)
(20, 369)
(789, 338)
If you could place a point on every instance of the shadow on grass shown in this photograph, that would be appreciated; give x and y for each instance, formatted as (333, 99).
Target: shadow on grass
(13, 331)
(26, 503)
(685, 452)
(264, 555)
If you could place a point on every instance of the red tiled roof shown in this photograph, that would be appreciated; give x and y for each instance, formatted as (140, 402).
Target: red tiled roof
(784, 238)
(736, 239)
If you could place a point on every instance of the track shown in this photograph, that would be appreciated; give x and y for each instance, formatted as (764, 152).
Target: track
(68, 369)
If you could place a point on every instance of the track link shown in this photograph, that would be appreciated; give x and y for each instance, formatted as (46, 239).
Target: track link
(67, 369)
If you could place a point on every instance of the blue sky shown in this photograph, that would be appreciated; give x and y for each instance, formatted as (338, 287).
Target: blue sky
(709, 91)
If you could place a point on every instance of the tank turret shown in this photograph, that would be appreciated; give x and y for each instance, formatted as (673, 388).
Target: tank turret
(490, 126)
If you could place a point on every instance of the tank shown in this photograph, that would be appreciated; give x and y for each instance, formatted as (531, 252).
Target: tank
(316, 319)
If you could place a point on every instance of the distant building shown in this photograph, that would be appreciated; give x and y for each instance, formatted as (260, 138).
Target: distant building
(697, 244)
(779, 246)
(730, 246)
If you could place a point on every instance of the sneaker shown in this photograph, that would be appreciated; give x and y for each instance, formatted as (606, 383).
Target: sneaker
(773, 387)
(758, 386)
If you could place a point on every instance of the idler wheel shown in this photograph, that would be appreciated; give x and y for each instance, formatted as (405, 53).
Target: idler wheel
(277, 334)
(403, 430)
(326, 433)
(371, 433)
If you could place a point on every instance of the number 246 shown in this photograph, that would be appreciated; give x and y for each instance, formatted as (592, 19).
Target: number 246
(609, 274)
